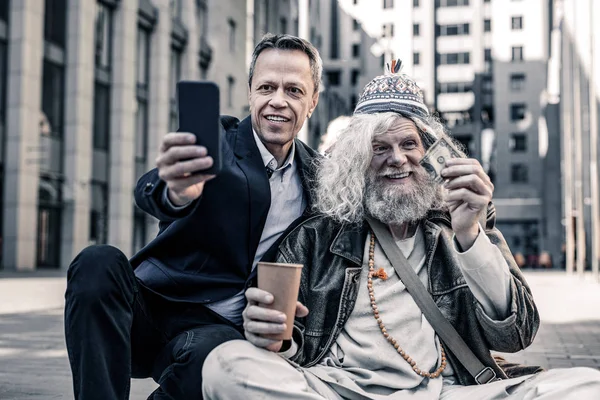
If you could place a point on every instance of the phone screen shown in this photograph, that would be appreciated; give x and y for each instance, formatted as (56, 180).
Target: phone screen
(198, 103)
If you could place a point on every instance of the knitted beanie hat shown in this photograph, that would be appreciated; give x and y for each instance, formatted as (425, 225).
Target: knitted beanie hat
(392, 92)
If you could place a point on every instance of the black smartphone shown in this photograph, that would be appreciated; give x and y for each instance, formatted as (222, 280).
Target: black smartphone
(198, 103)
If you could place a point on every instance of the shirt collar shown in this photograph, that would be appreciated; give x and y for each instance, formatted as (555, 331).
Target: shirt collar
(268, 158)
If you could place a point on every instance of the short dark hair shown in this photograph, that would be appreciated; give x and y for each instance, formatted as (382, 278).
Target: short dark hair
(289, 42)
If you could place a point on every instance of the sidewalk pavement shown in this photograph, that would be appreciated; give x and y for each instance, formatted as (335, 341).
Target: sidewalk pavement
(34, 365)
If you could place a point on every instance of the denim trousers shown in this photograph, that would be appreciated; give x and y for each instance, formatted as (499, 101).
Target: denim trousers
(117, 329)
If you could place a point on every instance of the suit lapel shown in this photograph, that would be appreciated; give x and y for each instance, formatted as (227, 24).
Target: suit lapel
(259, 192)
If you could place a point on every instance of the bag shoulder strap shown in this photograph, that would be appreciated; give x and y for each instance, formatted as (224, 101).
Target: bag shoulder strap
(419, 293)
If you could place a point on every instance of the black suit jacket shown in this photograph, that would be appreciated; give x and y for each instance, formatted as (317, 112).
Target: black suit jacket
(205, 252)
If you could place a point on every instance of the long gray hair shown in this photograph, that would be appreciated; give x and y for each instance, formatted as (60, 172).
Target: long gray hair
(340, 180)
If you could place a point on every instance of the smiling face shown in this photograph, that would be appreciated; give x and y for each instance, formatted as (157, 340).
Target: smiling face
(282, 96)
(397, 187)
(396, 154)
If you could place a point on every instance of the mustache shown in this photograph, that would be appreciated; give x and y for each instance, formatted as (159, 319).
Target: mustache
(392, 171)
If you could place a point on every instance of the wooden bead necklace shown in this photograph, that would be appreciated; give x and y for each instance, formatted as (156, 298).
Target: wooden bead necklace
(381, 274)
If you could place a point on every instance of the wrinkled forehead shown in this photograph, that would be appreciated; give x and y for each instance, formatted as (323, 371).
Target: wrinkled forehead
(400, 128)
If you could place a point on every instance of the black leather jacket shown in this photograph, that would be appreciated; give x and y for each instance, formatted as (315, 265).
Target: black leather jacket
(332, 257)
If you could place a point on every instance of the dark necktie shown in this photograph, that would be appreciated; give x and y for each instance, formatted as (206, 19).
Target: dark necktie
(269, 172)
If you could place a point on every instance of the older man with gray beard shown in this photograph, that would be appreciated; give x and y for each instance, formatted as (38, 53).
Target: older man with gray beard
(366, 336)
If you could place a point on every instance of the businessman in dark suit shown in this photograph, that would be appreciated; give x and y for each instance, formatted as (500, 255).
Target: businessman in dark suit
(161, 313)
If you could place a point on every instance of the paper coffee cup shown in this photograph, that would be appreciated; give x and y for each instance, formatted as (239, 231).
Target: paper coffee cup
(283, 282)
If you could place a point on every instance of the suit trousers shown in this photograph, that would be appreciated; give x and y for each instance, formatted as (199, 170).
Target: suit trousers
(239, 370)
(116, 329)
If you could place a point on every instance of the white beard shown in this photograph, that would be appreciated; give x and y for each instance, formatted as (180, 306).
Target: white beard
(391, 206)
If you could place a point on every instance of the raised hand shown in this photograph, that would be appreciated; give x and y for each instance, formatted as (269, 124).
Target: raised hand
(179, 157)
(469, 191)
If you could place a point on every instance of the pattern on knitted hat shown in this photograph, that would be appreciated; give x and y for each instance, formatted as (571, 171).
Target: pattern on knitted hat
(392, 92)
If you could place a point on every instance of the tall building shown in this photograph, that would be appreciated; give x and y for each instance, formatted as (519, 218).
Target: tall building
(577, 63)
(482, 66)
(348, 62)
(87, 93)
(520, 52)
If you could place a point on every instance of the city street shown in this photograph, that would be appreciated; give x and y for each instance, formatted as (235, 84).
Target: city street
(33, 358)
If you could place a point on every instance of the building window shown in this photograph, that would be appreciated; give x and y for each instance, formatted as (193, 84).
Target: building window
(517, 82)
(4, 10)
(175, 76)
(454, 58)
(451, 3)
(49, 222)
(415, 3)
(415, 29)
(519, 173)
(452, 29)
(232, 30)
(3, 74)
(487, 84)
(141, 131)
(52, 99)
(487, 25)
(355, 25)
(175, 6)
(55, 16)
(230, 90)
(334, 78)
(283, 24)
(139, 229)
(202, 18)
(142, 60)
(355, 50)
(455, 87)
(99, 213)
(518, 111)
(334, 32)
(388, 30)
(517, 53)
(518, 142)
(388, 4)
(487, 54)
(141, 137)
(354, 77)
(416, 58)
(141, 117)
(101, 116)
(103, 36)
(517, 23)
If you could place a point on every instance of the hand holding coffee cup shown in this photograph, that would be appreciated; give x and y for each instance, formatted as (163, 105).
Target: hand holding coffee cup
(269, 315)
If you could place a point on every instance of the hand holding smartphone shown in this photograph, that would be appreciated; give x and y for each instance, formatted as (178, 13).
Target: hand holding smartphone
(198, 103)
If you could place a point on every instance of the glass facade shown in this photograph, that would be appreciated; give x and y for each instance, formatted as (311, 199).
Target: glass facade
(49, 221)
(103, 36)
(141, 131)
(103, 41)
(175, 74)
(52, 100)
(55, 22)
(3, 74)
(101, 116)
(99, 213)
(50, 190)
(4, 10)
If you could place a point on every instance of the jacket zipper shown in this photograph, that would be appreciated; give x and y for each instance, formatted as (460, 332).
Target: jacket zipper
(336, 329)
